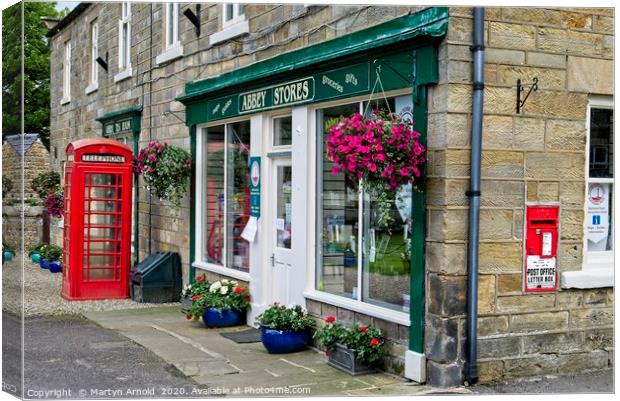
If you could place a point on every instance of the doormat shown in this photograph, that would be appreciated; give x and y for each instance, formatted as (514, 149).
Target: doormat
(251, 335)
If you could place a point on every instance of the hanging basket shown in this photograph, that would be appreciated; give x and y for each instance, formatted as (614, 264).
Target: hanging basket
(381, 152)
(166, 170)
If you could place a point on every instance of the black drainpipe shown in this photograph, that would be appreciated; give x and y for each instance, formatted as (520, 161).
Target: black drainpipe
(471, 365)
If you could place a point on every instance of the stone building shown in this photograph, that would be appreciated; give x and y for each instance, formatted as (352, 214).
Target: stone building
(261, 80)
(25, 152)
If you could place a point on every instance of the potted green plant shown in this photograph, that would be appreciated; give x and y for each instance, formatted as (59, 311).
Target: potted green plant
(355, 349)
(35, 253)
(285, 329)
(50, 257)
(193, 291)
(7, 253)
(222, 305)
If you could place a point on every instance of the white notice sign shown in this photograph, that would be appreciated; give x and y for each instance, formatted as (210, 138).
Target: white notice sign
(540, 272)
(249, 232)
(598, 212)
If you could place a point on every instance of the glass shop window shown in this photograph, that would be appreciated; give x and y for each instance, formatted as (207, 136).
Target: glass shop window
(227, 198)
(356, 257)
(599, 197)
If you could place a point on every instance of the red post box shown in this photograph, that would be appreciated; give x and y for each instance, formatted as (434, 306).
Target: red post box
(97, 222)
(541, 244)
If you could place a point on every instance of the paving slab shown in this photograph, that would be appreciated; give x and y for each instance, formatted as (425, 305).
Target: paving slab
(244, 370)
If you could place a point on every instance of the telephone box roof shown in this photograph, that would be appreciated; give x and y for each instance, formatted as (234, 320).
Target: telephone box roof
(88, 142)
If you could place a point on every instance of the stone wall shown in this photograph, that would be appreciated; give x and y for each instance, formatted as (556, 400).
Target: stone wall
(18, 169)
(274, 29)
(536, 156)
(397, 336)
(12, 232)
(36, 161)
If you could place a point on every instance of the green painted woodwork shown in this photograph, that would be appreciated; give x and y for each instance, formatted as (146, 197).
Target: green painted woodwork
(402, 52)
(418, 213)
(121, 121)
(395, 71)
(192, 202)
(426, 24)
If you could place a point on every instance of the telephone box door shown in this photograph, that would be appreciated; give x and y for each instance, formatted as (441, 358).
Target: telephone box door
(107, 198)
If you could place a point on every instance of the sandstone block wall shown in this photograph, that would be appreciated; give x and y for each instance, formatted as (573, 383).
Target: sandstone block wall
(274, 29)
(536, 156)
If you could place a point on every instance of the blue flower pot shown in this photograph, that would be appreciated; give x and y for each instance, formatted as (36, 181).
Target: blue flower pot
(7, 256)
(283, 342)
(55, 266)
(44, 263)
(35, 257)
(222, 318)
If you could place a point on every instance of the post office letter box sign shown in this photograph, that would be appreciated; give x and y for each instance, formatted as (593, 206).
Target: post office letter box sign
(541, 244)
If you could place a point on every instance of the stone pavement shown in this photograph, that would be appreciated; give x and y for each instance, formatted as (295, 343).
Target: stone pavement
(41, 290)
(242, 369)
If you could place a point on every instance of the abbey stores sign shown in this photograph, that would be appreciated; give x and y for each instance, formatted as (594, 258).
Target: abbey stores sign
(332, 84)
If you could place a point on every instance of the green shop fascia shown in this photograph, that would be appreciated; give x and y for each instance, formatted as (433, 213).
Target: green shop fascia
(402, 52)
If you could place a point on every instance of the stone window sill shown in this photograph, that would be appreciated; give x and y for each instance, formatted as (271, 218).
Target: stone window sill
(230, 32)
(65, 100)
(588, 278)
(126, 73)
(91, 88)
(170, 54)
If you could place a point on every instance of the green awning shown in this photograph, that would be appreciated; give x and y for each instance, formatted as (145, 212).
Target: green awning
(429, 23)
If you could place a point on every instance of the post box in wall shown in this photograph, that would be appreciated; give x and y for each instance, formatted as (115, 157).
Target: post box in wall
(541, 245)
(97, 226)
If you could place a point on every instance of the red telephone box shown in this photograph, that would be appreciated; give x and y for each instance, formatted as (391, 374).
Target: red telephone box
(541, 248)
(97, 223)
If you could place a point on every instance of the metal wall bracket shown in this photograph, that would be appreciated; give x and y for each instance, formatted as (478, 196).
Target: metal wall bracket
(103, 63)
(194, 18)
(521, 88)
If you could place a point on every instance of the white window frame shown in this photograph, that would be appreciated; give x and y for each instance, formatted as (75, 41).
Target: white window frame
(172, 45)
(201, 196)
(124, 49)
(236, 16)
(356, 305)
(93, 83)
(66, 74)
(236, 26)
(598, 266)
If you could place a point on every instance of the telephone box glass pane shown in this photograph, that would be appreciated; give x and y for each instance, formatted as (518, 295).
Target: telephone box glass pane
(238, 195)
(102, 234)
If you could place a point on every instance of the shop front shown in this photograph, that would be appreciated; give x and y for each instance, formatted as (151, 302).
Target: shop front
(267, 208)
